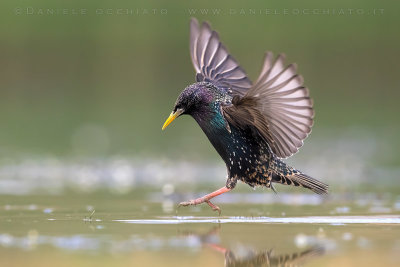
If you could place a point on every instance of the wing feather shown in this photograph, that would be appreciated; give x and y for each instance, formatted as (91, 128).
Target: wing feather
(211, 59)
(285, 104)
(277, 106)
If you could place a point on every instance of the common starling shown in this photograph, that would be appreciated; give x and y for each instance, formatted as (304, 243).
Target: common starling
(253, 126)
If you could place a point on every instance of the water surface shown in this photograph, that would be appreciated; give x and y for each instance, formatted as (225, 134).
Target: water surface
(137, 230)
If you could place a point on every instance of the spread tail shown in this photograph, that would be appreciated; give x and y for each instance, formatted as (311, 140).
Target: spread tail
(297, 178)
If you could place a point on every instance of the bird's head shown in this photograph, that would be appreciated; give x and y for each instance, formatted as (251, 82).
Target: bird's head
(196, 98)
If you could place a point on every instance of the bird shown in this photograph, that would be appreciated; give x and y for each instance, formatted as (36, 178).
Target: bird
(253, 126)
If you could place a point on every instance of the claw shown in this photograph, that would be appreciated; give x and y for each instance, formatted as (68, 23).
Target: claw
(214, 207)
(186, 203)
(199, 201)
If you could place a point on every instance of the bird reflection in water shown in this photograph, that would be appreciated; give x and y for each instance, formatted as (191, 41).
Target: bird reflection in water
(268, 257)
(248, 256)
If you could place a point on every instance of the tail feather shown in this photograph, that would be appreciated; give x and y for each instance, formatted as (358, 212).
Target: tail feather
(297, 178)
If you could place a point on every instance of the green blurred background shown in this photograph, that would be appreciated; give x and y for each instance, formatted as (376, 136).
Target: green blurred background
(83, 95)
(98, 84)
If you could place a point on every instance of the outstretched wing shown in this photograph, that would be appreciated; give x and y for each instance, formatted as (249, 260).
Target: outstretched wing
(285, 103)
(212, 61)
(282, 102)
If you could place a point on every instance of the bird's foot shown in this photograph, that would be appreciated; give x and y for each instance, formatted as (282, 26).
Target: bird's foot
(206, 199)
(199, 201)
(214, 207)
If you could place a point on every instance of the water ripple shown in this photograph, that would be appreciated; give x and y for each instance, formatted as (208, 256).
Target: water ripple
(333, 220)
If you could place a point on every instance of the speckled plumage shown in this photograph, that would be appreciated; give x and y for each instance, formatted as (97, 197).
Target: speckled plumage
(252, 126)
(247, 155)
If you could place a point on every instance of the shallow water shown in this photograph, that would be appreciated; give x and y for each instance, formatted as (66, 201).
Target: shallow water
(139, 230)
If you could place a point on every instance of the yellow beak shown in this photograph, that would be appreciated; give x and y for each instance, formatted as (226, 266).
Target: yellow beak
(172, 117)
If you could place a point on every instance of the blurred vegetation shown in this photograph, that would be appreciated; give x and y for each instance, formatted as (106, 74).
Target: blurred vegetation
(103, 84)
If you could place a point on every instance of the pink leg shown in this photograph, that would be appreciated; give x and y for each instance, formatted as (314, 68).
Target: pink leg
(206, 199)
(218, 248)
